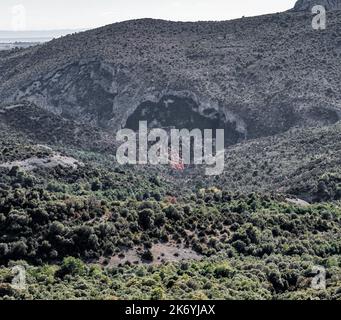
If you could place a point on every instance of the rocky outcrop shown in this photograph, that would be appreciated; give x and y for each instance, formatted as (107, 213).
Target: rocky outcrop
(44, 163)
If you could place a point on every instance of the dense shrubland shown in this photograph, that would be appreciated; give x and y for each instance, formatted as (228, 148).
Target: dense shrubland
(273, 277)
(87, 214)
(267, 246)
(66, 224)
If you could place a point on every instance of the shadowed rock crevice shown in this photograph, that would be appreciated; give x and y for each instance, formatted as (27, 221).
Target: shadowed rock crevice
(183, 113)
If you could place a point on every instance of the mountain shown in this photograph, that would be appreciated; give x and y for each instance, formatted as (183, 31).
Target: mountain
(85, 227)
(306, 5)
(253, 77)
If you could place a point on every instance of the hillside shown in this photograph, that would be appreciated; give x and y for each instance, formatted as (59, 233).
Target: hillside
(301, 162)
(46, 127)
(84, 227)
(259, 76)
(154, 223)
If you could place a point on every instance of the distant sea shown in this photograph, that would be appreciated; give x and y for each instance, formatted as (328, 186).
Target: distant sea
(24, 39)
(33, 36)
(16, 40)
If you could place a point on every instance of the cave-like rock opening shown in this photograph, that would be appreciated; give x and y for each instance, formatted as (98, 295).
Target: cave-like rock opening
(182, 113)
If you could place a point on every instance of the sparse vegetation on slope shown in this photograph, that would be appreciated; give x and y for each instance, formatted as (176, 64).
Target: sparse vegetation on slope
(302, 162)
(261, 75)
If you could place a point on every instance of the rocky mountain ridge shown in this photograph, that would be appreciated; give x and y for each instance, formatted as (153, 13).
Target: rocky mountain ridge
(253, 77)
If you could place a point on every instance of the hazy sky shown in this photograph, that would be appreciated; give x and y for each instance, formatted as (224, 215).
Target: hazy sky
(66, 14)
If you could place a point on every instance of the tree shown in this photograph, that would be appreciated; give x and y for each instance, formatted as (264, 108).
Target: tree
(19, 249)
(157, 294)
(147, 256)
(71, 266)
(172, 213)
(146, 219)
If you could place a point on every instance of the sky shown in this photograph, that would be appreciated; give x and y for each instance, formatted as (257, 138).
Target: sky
(85, 14)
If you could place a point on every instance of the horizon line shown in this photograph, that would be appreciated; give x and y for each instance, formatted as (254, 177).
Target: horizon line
(81, 29)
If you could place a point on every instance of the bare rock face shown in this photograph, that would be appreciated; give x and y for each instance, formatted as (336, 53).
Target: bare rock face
(306, 5)
(46, 163)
